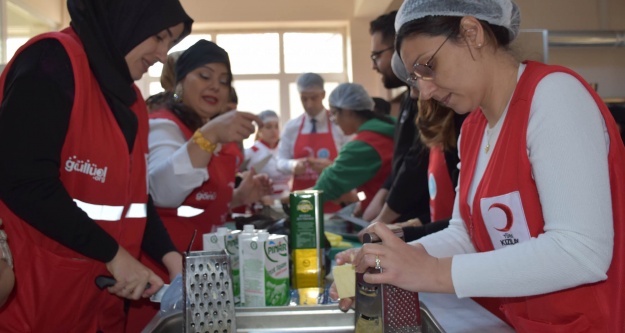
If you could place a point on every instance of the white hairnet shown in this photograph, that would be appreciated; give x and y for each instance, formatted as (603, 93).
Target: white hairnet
(268, 115)
(503, 13)
(309, 82)
(398, 67)
(351, 96)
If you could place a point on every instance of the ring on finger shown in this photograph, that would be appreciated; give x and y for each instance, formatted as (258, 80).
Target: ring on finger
(377, 263)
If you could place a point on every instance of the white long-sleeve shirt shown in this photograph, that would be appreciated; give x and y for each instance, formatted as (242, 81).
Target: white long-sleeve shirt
(286, 162)
(568, 145)
(172, 177)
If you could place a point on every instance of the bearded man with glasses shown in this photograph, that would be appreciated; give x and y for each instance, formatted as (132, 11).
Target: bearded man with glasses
(404, 196)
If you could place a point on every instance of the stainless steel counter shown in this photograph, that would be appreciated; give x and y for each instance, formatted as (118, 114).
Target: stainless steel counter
(440, 313)
(462, 315)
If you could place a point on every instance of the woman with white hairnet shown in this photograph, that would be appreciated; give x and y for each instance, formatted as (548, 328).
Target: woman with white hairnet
(365, 162)
(538, 221)
(263, 155)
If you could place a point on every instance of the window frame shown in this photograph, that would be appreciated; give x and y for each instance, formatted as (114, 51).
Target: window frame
(284, 78)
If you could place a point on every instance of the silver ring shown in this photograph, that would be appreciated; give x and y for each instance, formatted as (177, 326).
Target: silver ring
(377, 263)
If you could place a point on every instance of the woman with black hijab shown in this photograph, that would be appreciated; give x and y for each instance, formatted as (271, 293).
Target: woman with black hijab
(73, 183)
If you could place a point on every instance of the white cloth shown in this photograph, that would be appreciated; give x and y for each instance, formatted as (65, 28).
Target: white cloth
(286, 163)
(567, 144)
(172, 177)
(256, 154)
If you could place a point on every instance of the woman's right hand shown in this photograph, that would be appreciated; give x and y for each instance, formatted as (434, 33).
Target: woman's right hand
(232, 126)
(132, 277)
(342, 258)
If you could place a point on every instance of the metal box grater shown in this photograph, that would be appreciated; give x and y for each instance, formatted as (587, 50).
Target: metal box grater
(383, 308)
(208, 295)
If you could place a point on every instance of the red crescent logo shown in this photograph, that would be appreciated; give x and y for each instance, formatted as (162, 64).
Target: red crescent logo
(509, 217)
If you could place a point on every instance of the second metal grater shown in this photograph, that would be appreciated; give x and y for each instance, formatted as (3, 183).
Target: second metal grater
(208, 295)
(383, 308)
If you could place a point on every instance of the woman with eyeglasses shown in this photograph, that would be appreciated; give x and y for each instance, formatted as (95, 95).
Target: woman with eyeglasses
(538, 221)
(365, 162)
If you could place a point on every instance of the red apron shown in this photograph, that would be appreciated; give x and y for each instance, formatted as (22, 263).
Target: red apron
(318, 145)
(442, 192)
(205, 209)
(383, 145)
(597, 307)
(55, 289)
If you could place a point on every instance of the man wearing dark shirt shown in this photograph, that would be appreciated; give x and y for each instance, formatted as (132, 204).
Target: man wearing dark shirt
(404, 195)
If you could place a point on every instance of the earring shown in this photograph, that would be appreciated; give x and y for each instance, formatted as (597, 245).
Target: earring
(479, 45)
(178, 94)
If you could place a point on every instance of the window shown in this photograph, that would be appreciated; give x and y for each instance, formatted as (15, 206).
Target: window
(21, 26)
(266, 64)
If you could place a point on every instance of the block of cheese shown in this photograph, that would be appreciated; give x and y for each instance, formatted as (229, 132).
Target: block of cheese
(345, 280)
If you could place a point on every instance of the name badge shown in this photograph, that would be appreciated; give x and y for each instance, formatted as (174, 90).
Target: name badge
(504, 219)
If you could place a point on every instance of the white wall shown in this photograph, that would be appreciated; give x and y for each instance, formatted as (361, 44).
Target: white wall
(606, 66)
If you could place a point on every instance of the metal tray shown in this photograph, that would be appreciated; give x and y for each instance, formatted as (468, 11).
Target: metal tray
(282, 319)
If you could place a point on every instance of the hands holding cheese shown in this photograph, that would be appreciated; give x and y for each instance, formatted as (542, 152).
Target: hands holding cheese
(407, 266)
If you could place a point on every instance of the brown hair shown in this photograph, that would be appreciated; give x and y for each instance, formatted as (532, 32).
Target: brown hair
(436, 125)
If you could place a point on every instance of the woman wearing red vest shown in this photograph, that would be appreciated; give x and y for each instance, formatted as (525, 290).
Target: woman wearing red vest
(73, 179)
(538, 222)
(193, 157)
(365, 162)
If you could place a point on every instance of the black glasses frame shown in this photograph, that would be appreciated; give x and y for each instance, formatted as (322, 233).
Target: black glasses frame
(376, 54)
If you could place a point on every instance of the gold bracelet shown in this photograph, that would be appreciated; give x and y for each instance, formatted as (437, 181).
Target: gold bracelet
(204, 144)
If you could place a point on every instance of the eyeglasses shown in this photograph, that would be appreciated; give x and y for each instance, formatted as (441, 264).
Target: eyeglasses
(424, 71)
(376, 54)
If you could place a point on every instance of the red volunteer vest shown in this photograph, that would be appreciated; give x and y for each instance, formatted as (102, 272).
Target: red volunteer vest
(442, 192)
(383, 145)
(203, 210)
(55, 287)
(597, 307)
(314, 145)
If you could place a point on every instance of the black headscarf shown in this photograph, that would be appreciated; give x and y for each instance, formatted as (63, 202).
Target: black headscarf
(109, 29)
(199, 54)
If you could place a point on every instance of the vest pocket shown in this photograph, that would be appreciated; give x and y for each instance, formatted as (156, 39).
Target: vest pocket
(577, 324)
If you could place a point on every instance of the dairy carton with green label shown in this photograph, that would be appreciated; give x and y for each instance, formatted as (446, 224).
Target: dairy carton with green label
(228, 240)
(266, 270)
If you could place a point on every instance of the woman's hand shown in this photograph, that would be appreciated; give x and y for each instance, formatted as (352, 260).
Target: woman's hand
(232, 126)
(343, 258)
(403, 265)
(300, 167)
(132, 277)
(318, 164)
(173, 262)
(369, 229)
(252, 188)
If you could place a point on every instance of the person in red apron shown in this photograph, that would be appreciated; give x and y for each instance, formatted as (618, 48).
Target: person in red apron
(310, 142)
(538, 223)
(73, 177)
(193, 158)
(262, 156)
(365, 162)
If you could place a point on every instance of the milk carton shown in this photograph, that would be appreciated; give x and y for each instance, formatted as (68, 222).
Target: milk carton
(247, 233)
(227, 240)
(266, 270)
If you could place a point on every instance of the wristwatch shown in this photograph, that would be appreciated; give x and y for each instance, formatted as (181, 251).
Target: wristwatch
(5, 252)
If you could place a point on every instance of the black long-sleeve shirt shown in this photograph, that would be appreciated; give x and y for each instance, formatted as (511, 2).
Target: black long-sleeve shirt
(408, 184)
(34, 120)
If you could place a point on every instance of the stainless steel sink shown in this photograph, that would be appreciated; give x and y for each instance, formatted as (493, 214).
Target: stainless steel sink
(282, 319)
